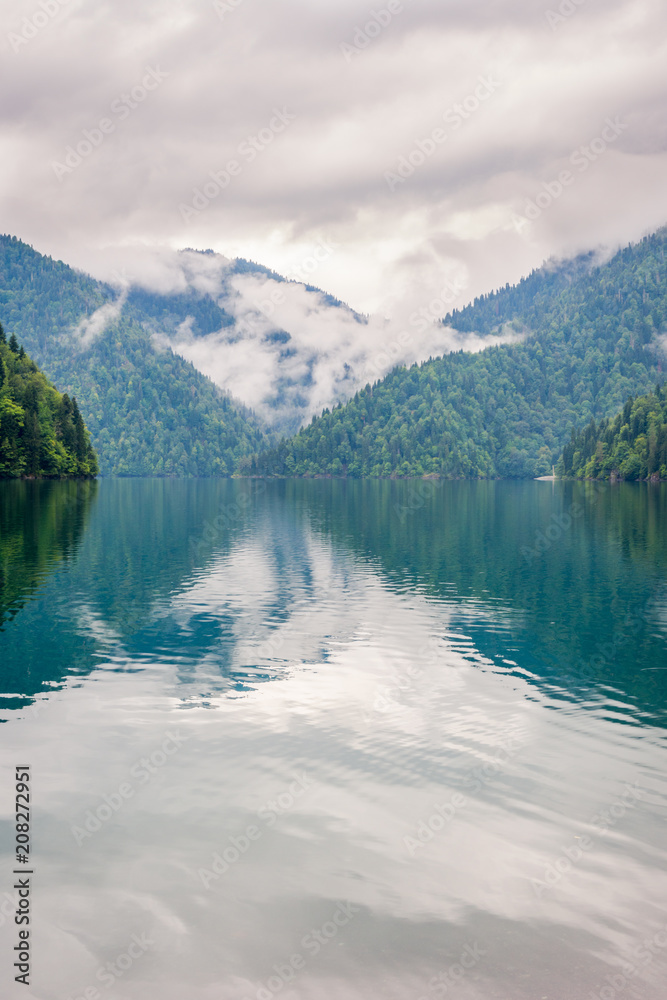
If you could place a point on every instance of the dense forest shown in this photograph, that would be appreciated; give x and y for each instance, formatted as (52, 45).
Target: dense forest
(150, 413)
(591, 336)
(591, 341)
(42, 433)
(631, 446)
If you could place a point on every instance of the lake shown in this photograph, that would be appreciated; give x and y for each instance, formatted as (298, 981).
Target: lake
(337, 740)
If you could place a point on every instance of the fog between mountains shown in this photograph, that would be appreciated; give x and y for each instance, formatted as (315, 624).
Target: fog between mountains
(291, 353)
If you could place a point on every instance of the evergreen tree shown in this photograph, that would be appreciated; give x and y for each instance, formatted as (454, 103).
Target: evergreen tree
(32, 417)
(632, 446)
(79, 431)
(31, 432)
(66, 423)
(590, 339)
(13, 344)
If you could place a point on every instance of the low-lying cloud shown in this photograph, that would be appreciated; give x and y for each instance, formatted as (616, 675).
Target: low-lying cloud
(292, 351)
(552, 83)
(90, 328)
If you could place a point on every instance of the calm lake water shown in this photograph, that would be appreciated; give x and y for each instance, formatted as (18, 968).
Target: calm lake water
(337, 741)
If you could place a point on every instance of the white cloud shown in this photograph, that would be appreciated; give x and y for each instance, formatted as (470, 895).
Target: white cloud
(325, 173)
(291, 351)
(90, 328)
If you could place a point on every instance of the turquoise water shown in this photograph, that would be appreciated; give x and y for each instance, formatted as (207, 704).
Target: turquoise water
(337, 741)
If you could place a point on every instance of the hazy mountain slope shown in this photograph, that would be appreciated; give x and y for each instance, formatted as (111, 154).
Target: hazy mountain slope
(526, 302)
(284, 347)
(594, 339)
(149, 411)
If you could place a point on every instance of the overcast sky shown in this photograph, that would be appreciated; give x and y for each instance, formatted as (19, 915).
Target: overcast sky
(306, 109)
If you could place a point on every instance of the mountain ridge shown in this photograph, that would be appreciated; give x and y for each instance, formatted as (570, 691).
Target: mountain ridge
(590, 333)
(149, 411)
(507, 411)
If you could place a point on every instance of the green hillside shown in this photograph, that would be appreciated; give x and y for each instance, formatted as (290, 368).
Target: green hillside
(150, 413)
(632, 445)
(591, 341)
(42, 433)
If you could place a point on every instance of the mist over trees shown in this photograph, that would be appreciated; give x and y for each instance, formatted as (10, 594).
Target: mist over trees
(591, 342)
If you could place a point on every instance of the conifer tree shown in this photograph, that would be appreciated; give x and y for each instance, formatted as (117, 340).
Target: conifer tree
(79, 432)
(42, 433)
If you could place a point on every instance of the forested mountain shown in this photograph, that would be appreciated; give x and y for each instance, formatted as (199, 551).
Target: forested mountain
(149, 411)
(525, 302)
(282, 346)
(632, 445)
(592, 339)
(42, 433)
